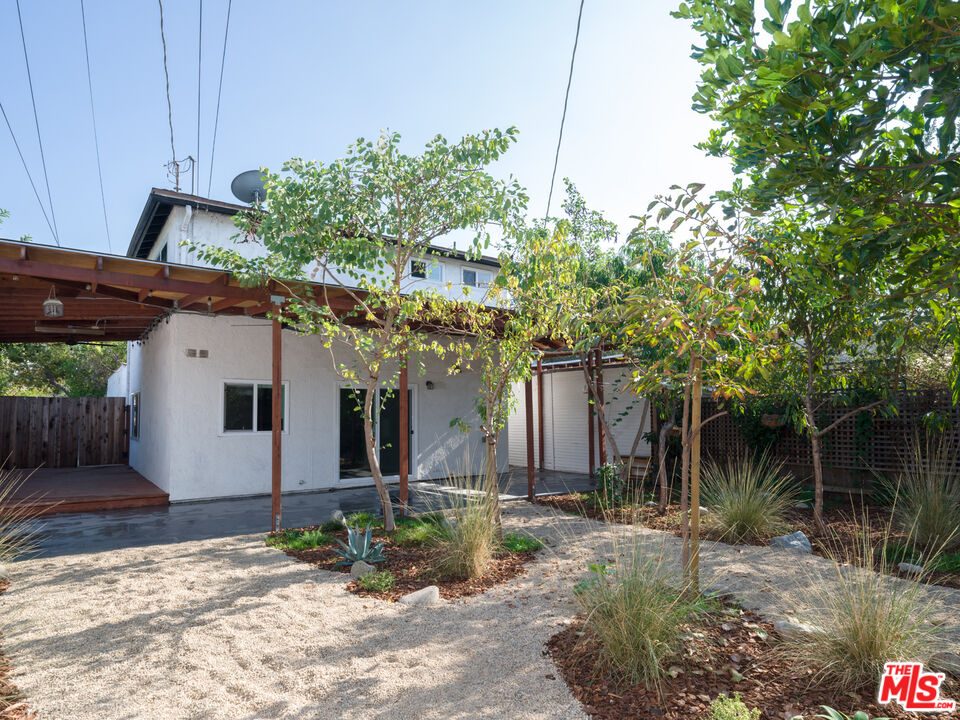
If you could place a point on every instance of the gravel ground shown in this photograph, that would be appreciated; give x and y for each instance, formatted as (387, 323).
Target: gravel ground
(232, 629)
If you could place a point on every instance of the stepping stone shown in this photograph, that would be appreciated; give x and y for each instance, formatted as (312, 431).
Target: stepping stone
(795, 541)
(910, 569)
(792, 628)
(361, 569)
(429, 595)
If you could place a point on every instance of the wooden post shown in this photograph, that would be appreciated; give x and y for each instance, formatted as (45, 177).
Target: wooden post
(695, 476)
(404, 435)
(603, 432)
(590, 413)
(528, 398)
(540, 407)
(276, 419)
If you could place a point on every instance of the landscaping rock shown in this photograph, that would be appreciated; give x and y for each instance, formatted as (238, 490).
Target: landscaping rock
(429, 595)
(361, 569)
(946, 662)
(649, 503)
(337, 517)
(802, 506)
(794, 541)
(910, 569)
(704, 511)
(792, 628)
(4, 572)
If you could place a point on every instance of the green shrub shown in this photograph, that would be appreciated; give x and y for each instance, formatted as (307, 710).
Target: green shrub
(866, 619)
(469, 537)
(299, 539)
(747, 497)
(362, 517)
(726, 708)
(637, 610)
(412, 532)
(377, 582)
(927, 495)
(17, 533)
(896, 552)
(332, 526)
(520, 543)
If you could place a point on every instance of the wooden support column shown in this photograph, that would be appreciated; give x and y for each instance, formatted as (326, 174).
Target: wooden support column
(695, 476)
(603, 432)
(276, 419)
(591, 433)
(528, 398)
(404, 435)
(540, 407)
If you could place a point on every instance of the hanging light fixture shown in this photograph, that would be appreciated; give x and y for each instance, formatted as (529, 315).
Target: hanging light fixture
(51, 306)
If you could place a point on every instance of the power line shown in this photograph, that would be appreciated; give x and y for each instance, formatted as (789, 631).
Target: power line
(216, 119)
(166, 74)
(36, 120)
(27, 170)
(93, 113)
(563, 118)
(196, 163)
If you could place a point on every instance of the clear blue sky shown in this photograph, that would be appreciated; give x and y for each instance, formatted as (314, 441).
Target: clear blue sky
(307, 78)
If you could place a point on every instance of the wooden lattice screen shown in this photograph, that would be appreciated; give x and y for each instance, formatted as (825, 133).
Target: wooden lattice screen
(62, 432)
(847, 461)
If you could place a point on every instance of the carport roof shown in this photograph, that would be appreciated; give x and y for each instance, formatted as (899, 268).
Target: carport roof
(107, 297)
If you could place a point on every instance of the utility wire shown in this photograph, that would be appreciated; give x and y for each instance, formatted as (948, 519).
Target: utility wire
(566, 99)
(36, 121)
(216, 119)
(166, 74)
(93, 113)
(27, 170)
(196, 163)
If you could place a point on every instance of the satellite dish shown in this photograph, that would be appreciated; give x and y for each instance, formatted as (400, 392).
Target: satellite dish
(248, 187)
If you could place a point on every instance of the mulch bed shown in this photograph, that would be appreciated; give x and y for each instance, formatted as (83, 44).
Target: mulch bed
(843, 539)
(413, 569)
(730, 641)
(12, 704)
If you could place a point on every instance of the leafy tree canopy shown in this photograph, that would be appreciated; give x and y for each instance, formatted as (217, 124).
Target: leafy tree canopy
(57, 369)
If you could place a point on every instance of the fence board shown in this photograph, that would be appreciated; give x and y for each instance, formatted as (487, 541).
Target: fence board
(61, 432)
(847, 461)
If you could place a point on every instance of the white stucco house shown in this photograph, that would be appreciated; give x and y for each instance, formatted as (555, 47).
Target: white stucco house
(199, 385)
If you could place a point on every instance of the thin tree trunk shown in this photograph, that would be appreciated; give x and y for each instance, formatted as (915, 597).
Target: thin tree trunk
(662, 457)
(369, 436)
(628, 467)
(814, 439)
(601, 415)
(685, 478)
(492, 479)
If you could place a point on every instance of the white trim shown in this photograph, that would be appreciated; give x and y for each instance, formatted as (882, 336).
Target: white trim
(476, 271)
(285, 384)
(412, 450)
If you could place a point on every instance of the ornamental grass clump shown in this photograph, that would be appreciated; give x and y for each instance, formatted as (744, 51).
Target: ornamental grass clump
(17, 532)
(865, 619)
(637, 610)
(469, 537)
(747, 497)
(926, 495)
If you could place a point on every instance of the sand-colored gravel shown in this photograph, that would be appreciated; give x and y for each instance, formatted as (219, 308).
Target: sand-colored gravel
(232, 629)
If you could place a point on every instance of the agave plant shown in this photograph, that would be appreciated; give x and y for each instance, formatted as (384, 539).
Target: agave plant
(358, 547)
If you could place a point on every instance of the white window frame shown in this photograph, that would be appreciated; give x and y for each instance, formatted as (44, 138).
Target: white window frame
(430, 265)
(476, 271)
(246, 381)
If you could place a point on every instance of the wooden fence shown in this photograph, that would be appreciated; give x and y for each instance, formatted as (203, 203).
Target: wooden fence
(849, 460)
(62, 432)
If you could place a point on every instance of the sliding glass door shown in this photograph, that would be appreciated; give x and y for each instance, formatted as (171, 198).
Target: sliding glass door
(353, 454)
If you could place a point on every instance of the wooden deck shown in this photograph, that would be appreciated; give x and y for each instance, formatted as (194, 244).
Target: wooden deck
(86, 489)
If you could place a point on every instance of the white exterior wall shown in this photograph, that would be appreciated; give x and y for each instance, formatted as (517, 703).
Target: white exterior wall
(118, 384)
(217, 229)
(565, 423)
(183, 449)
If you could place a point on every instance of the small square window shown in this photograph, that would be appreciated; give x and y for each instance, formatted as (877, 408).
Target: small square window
(476, 278)
(135, 415)
(427, 270)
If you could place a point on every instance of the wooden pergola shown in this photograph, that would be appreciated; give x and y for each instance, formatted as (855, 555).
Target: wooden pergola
(110, 298)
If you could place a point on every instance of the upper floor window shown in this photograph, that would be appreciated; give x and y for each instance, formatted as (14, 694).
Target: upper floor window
(476, 278)
(426, 270)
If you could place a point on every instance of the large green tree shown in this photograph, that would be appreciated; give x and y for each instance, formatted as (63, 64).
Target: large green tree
(358, 225)
(58, 369)
(849, 109)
